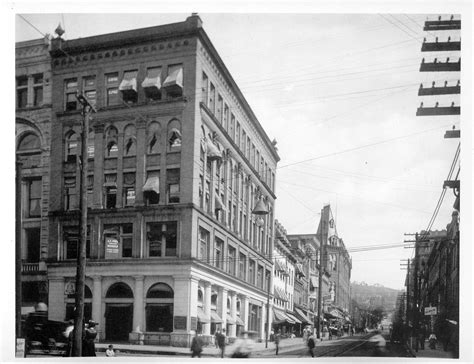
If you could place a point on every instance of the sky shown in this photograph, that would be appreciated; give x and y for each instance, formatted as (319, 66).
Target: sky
(338, 92)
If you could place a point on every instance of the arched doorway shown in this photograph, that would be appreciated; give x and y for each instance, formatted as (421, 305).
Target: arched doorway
(118, 312)
(159, 308)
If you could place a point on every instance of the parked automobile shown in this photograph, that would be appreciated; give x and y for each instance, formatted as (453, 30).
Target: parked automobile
(44, 336)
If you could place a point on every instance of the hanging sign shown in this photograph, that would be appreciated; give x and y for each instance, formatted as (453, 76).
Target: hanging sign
(430, 311)
(111, 247)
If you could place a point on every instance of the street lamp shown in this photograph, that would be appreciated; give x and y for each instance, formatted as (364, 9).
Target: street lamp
(87, 107)
(261, 210)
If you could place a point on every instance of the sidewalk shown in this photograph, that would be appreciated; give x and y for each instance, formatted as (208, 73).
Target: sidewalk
(211, 350)
(432, 353)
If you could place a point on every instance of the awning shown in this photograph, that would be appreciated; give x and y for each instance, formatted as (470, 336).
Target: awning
(213, 153)
(215, 317)
(153, 79)
(279, 316)
(202, 316)
(314, 282)
(281, 295)
(279, 267)
(219, 204)
(152, 184)
(239, 321)
(329, 316)
(129, 82)
(299, 269)
(301, 314)
(294, 318)
(175, 77)
(337, 314)
(229, 319)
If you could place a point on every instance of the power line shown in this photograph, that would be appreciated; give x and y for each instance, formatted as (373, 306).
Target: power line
(363, 146)
(39, 31)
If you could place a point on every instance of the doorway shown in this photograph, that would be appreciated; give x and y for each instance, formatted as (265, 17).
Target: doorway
(118, 321)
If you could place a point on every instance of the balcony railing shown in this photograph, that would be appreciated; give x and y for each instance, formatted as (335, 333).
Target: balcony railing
(29, 267)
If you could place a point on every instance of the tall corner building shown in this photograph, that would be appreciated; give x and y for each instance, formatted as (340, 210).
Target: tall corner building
(177, 161)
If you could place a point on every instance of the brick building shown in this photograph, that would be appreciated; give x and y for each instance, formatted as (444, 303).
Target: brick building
(177, 161)
(32, 142)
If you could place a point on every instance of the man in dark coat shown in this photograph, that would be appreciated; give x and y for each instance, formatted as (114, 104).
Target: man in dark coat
(221, 342)
(196, 346)
(311, 344)
(88, 345)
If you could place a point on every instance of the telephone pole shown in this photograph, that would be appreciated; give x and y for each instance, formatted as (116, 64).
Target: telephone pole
(81, 256)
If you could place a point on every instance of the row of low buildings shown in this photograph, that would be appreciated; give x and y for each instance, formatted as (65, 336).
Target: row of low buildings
(177, 162)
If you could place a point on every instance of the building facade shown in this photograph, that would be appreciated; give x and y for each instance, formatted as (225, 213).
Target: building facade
(32, 142)
(176, 163)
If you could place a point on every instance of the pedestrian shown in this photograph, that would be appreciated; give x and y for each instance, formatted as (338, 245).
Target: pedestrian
(277, 341)
(432, 340)
(421, 338)
(69, 334)
(330, 332)
(311, 345)
(90, 333)
(216, 335)
(305, 335)
(110, 351)
(196, 346)
(221, 342)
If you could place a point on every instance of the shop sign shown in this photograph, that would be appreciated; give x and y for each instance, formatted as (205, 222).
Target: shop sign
(430, 311)
(180, 322)
(111, 248)
(70, 288)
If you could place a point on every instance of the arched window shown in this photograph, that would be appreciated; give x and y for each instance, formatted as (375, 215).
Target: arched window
(154, 135)
(112, 150)
(130, 144)
(174, 135)
(130, 147)
(29, 142)
(159, 308)
(119, 290)
(70, 305)
(160, 290)
(72, 147)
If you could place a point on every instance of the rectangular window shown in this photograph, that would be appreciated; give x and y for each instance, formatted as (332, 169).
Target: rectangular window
(151, 189)
(237, 135)
(251, 278)
(72, 239)
(212, 99)
(242, 266)
(124, 236)
(128, 86)
(90, 191)
(38, 89)
(205, 89)
(89, 89)
(244, 141)
(172, 181)
(129, 189)
(111, 85)
(231, 261)
(174, 81)
(70, 198)
(226, 118)
(252, 156)
(260, 276)
(162, 238)
(204, 239)
(34, 198)
(219, 108)
(152, 83)
(70, 94)
(267, 280)
(110, 197)
(232, 126)
(21, 92)
(219, 254)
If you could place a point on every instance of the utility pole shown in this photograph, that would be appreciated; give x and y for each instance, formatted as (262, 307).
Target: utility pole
(321, 272)
(81, 256)
(18, 250)
(416, 293)
(408, 297)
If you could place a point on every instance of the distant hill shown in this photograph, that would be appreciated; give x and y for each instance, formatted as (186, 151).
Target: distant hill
(373, 296)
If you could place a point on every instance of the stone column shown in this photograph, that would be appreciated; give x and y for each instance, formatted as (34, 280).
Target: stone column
(98, 165)
(206, 327)
(56, 302)
(263, 321)
(119, 202)
(233, 313)
(245, 312)
(185, 306)
(97, 303)
(138, 305)
(141, 162)
(222, 306)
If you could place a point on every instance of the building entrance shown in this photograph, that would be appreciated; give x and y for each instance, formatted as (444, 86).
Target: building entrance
(118, 321)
